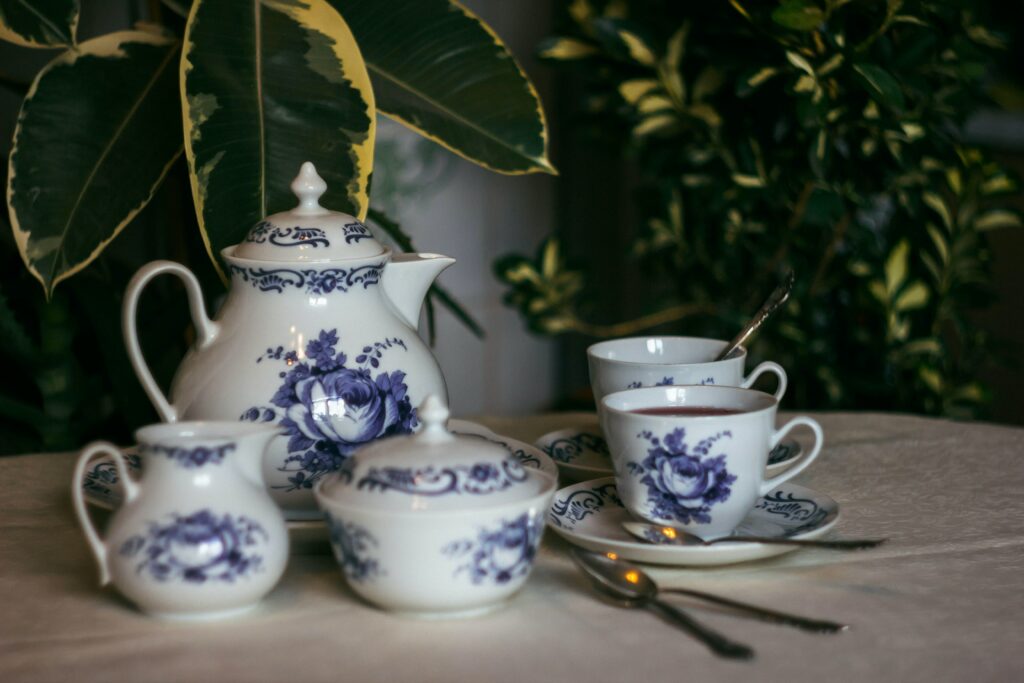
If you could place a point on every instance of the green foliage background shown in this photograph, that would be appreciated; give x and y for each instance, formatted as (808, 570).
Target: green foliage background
(171, 136)
(823, 136)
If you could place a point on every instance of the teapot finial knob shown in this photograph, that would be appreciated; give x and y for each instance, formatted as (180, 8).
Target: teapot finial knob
(308, 186)
(434, 414)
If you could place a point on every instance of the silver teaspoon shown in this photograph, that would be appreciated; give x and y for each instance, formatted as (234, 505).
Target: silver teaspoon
(668, 535)
(768, 308)
(635, 583)
(633, 588)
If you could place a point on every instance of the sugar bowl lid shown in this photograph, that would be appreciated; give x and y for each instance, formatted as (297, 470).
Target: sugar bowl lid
(309, 232)
(434, 470)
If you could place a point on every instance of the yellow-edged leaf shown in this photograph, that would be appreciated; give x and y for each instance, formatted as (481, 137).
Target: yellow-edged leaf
(912, 297)
(800, 62)
(638, 49)
(997, 219)
(85, 160)
(653, 124)
(565, 49)
(633, 90)
(744, 180)
(250, 118)
(935, 203)
(896, 268)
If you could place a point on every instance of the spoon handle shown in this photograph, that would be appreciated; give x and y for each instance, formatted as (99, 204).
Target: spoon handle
(772, 304)
(716, 642)
(763, 613)
(842, 544)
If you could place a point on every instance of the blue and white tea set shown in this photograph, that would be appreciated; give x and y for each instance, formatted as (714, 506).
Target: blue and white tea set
(310, 397)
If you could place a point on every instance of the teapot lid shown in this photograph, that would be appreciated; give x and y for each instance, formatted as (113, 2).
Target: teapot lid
(309, 232)
(432, 470)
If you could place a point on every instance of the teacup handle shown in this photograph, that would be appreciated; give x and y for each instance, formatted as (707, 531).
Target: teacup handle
(206, 329)
(131, 490)
(803, 462)
(764, 367)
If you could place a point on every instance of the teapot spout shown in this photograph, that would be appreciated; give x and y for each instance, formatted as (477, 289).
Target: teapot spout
(407, 277)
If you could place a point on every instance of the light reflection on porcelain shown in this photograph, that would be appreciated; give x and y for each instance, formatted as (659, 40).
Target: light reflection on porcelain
(303, 273)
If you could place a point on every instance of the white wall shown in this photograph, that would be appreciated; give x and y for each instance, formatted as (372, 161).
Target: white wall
(475, 216)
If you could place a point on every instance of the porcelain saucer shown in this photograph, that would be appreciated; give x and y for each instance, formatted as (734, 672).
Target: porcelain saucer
(589, 514)
(582, 453)
(100, 483)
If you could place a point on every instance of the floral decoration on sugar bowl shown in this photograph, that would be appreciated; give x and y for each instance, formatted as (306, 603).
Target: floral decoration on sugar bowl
(198, 548)
(683, 483)
(498, 555)
(352, 546)
(328, 408)
(477, 479)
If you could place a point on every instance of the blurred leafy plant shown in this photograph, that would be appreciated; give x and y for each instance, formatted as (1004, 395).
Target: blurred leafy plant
(818, 135)
(213, 103)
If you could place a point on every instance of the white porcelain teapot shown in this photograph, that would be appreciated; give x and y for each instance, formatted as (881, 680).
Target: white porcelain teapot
(317, 335)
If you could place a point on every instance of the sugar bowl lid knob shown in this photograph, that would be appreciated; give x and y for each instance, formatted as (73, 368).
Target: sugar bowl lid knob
(308, 186)
(434, 414)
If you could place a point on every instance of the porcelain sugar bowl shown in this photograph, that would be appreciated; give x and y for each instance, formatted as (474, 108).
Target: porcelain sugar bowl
(435, 524)
(317, 336)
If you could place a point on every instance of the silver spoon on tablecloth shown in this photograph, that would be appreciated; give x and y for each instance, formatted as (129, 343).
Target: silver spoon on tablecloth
(615, 580)
(632, 583)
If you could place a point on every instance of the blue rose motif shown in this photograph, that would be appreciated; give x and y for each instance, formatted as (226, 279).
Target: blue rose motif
(199, 547)
(500, 554)
(682, 483)
(328, 409)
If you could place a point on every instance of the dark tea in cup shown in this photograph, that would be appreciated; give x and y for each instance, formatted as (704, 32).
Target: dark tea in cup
(686, 411)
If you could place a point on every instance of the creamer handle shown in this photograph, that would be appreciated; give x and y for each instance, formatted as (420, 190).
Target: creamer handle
(206, 329)
(131, 490)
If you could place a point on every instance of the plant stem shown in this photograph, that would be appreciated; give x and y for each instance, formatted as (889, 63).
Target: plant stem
(830, 252)
(666, 315)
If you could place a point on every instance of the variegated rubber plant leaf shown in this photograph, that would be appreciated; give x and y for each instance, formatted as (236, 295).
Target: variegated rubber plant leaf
(85, 159)
(286, 84)
(441, 71)
(39, 23)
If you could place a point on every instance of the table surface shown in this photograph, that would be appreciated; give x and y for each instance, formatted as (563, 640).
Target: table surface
(941, 601)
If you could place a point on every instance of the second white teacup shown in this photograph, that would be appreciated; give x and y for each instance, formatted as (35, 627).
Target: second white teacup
(694, 456)
(634, 362)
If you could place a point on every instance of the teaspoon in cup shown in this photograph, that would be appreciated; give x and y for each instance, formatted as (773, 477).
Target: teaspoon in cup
(772, 303)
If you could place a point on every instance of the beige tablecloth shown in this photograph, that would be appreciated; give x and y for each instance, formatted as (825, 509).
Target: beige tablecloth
(941, 602)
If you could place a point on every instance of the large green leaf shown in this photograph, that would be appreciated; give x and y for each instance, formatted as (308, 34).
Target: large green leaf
(96, 134)
(441, 71)
(266, 86)
(39, 23)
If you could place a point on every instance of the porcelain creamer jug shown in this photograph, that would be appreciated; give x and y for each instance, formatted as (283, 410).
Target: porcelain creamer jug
(317, 335)
(198, 537)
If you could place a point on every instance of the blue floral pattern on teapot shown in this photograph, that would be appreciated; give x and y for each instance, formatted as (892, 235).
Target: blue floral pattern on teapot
(328, 408)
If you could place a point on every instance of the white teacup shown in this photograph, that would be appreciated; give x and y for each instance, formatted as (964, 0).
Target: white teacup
(635, 362)
(700, 472)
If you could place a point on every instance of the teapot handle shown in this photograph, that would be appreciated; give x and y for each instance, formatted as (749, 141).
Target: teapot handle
(206, 329)
(131, 490)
